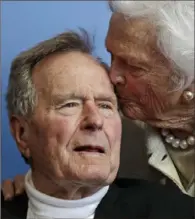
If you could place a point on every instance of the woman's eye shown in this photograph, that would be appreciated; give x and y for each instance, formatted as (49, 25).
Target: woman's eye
(136, 68)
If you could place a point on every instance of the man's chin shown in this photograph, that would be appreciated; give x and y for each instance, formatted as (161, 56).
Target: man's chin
(88, 178)
(96, 179)
(98, 175)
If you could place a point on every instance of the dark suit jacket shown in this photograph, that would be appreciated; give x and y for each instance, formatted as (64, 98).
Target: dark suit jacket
(126, 199)
(134, 159)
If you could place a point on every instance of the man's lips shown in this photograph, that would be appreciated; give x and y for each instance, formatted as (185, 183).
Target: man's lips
(90, 148)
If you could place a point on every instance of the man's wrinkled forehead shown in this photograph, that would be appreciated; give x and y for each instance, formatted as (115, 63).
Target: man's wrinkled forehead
(74, 75)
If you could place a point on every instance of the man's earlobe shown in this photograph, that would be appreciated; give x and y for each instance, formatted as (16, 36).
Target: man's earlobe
(20, 131)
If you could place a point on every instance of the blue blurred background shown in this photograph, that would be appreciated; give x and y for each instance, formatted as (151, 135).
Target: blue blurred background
(25, 23)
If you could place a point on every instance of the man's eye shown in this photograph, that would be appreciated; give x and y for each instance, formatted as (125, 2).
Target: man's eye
(105, 106)
(71, 104)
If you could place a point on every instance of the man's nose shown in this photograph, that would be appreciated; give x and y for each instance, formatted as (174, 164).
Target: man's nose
(116, 76)
(93, 120)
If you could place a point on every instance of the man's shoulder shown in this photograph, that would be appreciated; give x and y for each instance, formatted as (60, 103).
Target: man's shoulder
(149, 189)
(15, 208)
(136, 190)
(138, 185)
(129, 182)
(151, 198)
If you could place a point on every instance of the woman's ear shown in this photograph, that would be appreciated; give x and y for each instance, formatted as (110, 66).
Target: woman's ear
(20, 131)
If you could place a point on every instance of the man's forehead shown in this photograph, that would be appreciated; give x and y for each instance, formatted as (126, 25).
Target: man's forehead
(73, 64)
(53, 63)
(66, 63)
(84, 87)
(86, 80)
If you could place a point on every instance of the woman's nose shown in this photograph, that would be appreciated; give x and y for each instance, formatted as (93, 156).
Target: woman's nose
(116, 77)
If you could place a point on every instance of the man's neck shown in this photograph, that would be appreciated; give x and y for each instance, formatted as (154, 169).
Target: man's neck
(67, 190)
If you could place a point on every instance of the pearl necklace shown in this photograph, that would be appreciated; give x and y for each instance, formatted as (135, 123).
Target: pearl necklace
(175, 142)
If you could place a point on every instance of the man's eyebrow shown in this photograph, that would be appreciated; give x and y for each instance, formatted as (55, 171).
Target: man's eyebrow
(62, 97)
(57, 98)
(109, 98)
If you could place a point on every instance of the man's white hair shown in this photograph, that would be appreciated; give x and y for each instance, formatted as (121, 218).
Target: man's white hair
(174, 21)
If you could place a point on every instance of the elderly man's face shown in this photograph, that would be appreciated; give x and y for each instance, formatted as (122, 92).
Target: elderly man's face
(76, 129)
(139, 71)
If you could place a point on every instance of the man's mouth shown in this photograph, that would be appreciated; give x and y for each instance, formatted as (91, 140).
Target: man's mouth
(90, 148)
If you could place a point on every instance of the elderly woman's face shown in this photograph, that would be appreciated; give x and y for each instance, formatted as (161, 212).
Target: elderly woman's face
(76, 130)
(139, 71)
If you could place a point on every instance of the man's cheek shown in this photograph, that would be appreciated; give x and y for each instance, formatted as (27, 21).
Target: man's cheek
(58, 131)
(116, 134)
(113, 131)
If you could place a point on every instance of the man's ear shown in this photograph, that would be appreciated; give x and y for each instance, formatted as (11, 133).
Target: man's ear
(20, 131)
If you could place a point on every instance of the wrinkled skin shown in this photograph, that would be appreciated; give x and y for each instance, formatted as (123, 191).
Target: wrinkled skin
(76, 107)
(141, 75)
(144, 77)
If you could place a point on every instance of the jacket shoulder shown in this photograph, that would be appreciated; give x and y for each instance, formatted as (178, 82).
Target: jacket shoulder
(153, 200)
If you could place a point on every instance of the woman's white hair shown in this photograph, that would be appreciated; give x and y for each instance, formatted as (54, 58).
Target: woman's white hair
(174, 21)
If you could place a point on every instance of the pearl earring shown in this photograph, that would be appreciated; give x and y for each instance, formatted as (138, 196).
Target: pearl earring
(188, 95)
